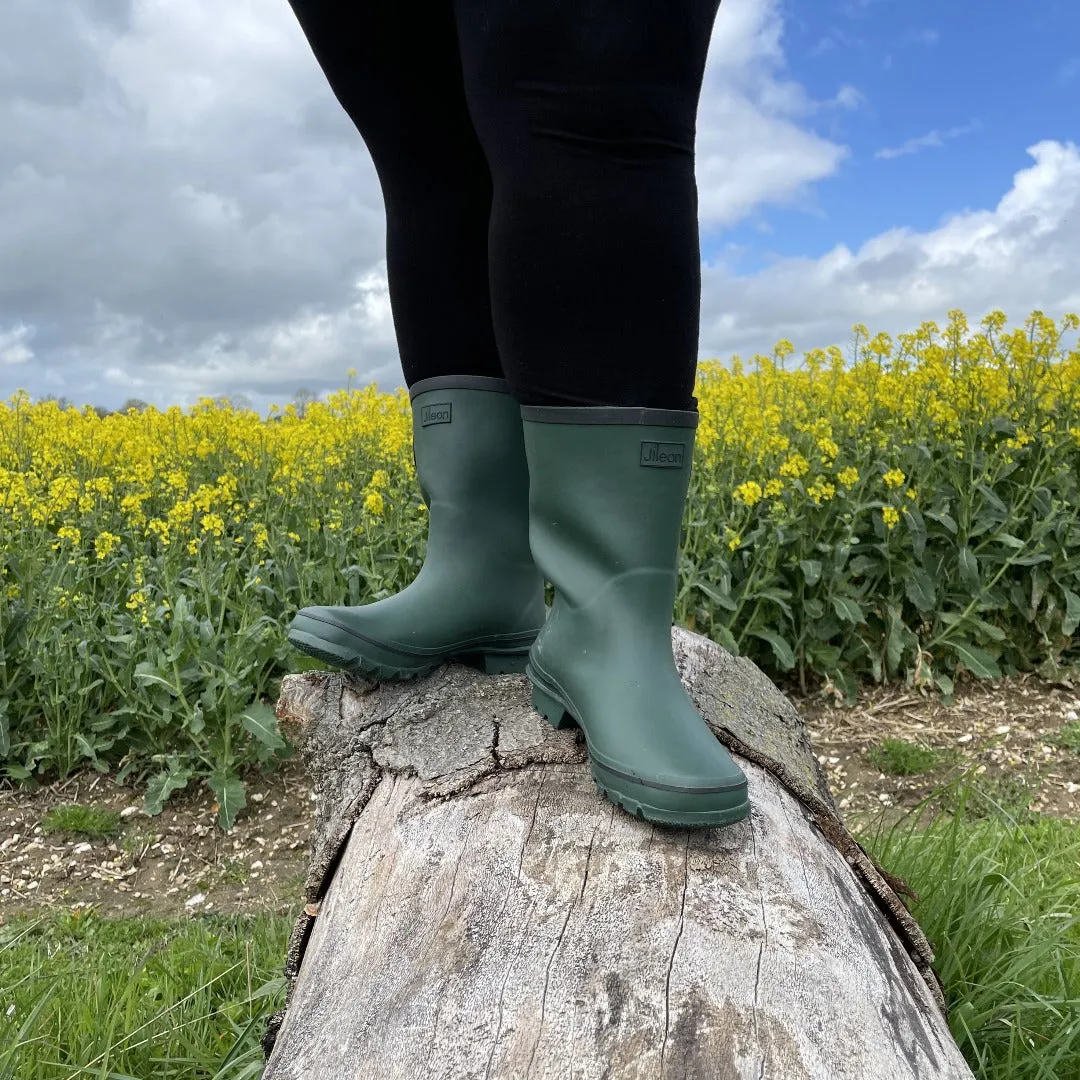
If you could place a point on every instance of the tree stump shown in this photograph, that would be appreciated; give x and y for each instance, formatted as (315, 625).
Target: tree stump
(477, 909)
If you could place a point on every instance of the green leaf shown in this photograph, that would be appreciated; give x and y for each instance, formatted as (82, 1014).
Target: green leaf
(919, 587)
(847, 609)
(261, 721)
(162, 786)
(5, 732)
(998, 506)
(723, 636)
(1069, 622)
(847, 682)
(862, 565)
(945, 685)
(716, 597)
(978, 661)
(945, 518)
(781, 649)
(953, 618)
(231, 796)
(148, 673)
(969, 567)
(826, 656)
(811, 569)
(780, 599)
(894, 647)
(916, 529)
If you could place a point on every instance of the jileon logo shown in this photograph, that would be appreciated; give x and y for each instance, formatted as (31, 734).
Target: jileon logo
(663, 455)
(438, 413)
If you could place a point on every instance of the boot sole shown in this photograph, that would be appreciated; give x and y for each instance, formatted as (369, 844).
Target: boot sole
(490, 662)
(614, 787)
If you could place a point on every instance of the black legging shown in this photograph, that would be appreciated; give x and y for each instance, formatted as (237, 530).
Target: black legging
(536, 159)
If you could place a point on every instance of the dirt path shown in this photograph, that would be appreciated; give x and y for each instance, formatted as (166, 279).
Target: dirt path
(1023, 734)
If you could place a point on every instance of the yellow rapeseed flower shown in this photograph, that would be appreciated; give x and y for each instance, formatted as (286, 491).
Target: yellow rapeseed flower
(849, 476)
(821, 491)
(890, 515)
(373, 504)
(894, 478)
(748, 493)
(212, 523)
(105, 544)
(795, 466)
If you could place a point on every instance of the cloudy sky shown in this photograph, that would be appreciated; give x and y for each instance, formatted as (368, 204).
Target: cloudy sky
(185, 209)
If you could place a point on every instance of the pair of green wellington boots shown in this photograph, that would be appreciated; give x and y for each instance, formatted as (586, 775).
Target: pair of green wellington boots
(592, 499)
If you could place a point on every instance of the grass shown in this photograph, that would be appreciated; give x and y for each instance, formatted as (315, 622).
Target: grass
(998, 901)
(1068, 737)
(83, 996)
(1008, 794)
(897, 757)
(95, 822)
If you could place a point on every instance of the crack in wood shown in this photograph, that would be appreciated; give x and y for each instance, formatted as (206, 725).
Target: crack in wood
(588, 858)
(543, 998)
(674, 950)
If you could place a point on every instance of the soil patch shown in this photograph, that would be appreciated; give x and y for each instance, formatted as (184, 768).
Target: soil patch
(1019, 736)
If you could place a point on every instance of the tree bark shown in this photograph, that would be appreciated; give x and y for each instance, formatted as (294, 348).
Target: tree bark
(476, 909)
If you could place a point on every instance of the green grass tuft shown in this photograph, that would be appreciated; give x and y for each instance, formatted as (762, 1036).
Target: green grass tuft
(1068, 737)
(896, 757)
(97, 822)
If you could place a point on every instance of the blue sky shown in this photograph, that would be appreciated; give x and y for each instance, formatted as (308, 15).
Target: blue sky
(963, 86)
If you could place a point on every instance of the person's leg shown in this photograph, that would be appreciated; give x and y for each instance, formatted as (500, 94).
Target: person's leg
(586, 110)
(478, 597)
(396, 71)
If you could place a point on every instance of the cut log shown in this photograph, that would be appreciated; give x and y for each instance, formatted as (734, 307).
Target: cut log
(476, 909)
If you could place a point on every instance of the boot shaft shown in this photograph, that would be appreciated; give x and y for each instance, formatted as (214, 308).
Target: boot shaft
(470, 460)
(608, 487)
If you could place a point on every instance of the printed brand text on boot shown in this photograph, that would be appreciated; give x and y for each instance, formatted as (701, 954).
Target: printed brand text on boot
(663, 455)
(439, 413)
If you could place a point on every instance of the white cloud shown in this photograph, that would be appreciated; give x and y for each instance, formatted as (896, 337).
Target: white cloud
(751, 148)
(1021, 255)
(933, 138)
(14, 344)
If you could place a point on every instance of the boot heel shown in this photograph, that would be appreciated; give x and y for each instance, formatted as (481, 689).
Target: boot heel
(504, 663)
(550, 709)
(492, 663)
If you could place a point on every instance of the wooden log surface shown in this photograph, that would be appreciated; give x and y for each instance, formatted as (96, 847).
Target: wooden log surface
(476, 909)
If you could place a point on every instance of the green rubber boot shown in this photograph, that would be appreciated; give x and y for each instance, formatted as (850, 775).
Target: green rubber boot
(607, 492)
(478, 598)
